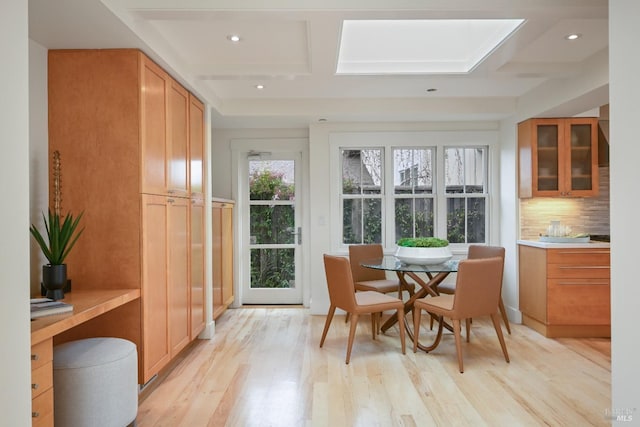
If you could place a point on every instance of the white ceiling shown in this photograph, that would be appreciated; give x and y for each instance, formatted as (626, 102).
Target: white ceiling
(291, 47)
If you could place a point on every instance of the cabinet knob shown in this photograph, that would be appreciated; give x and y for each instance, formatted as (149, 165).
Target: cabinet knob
(35, 414)
(34, 386)
(34, 357)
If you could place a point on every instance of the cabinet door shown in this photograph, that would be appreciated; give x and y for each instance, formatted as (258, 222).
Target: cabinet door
(558, 157)
(197, 260)
(153, 105)
(216, 222)
(196, 147)
(548, 158)
(178, 280)
(227, 254)
(155, 297)
(178, 128)
(581, 145)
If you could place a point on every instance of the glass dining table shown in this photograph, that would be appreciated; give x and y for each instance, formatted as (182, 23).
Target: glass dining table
(434, 273)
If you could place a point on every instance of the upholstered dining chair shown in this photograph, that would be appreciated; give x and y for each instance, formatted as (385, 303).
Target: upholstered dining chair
(342, 295)
(476, 252)
(478, 284)
(369, 279)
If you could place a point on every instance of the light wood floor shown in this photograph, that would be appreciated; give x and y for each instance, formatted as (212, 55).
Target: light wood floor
(264, 368)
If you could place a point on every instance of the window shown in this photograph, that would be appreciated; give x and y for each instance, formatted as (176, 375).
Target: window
(391, 190)
(362, 196)
(466, 193)
(413, 192)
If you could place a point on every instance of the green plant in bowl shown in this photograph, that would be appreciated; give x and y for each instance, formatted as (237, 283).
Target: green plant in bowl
(422, 242)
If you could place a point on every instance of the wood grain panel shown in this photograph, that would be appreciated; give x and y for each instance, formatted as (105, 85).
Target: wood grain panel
(178, 279)
(177, 144)
(93, 122)
(578, 256)
(197, 168)
(532, 264)
(197, 261)
(155, 296)
(583, 302)
(153, 130)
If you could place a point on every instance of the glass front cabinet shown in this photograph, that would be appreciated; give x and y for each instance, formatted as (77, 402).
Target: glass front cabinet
(558, 157)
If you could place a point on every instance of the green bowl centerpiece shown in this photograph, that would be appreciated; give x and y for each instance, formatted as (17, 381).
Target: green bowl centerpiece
(423, 250)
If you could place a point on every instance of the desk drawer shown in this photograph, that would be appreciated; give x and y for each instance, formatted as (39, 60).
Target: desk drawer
(42, 410)
(41, 379)
(578, 302)
(41, 353)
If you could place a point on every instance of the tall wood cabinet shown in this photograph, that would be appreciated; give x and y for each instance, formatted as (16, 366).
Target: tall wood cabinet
(222, 230)
(128, 135)
(558, 157)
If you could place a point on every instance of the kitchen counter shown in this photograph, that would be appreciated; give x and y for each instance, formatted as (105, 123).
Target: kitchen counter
(546, 245)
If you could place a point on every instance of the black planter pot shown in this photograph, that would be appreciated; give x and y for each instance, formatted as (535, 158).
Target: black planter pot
(54, 279)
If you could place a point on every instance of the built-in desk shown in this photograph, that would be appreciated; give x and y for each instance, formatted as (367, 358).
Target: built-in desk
(87, 305)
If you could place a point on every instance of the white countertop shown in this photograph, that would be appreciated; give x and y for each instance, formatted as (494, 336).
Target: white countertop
(546, 245)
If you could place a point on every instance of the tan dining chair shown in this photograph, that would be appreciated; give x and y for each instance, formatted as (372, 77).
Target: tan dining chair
(369, 279)
(342, 295)
(477, 294)
(476, 252)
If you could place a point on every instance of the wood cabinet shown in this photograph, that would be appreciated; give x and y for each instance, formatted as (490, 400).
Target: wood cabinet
(42, 383)
(222, 218)
(197, 265)
(125, 131)
(196, 148)
(558, 157)
(564, 292)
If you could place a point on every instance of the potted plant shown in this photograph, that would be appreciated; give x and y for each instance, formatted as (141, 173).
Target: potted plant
(61, 236)
(423, 250)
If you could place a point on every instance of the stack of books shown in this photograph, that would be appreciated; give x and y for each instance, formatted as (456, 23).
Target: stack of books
(45, 307)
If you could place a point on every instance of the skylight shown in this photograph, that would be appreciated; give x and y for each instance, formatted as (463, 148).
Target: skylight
(431, 46)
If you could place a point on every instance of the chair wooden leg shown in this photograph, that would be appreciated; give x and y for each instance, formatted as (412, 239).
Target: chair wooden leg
(401, 327)
(352, 334)
(505, 319)
(496, 325)
(417, 314)
(327, 323)
(456, 333)
(373, 325)
(467, 323)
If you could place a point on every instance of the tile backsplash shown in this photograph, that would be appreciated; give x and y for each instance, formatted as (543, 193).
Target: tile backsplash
(583, 215)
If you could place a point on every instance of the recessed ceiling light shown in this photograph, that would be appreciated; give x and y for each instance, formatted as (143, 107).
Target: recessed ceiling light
(233, 38)
(573, 36)
(322, 120)
(432, 89)
(259, 87)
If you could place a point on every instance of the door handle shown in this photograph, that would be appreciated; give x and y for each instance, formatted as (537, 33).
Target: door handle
(299, 233)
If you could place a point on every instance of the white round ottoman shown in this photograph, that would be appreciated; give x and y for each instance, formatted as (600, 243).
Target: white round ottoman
(95, 383)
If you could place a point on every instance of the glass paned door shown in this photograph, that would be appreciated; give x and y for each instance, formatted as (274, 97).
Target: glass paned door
(275, 235)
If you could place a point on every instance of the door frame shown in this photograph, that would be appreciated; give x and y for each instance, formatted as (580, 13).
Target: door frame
(240, 149)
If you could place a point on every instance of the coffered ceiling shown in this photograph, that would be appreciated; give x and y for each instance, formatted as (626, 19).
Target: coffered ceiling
(291, 47)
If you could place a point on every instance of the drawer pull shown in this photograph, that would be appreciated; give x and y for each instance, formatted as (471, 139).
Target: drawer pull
(585, 267)
(35, 357)
(35, 414)
(34, 386)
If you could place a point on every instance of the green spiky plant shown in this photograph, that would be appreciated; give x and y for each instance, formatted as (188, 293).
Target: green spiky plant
(61, 236)
(423, 242)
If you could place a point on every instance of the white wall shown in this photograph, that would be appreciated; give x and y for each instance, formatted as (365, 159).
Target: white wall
(38, 153)
(624, 153)
(15, 365)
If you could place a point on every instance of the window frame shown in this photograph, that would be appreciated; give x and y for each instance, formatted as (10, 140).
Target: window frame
(388, 140)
